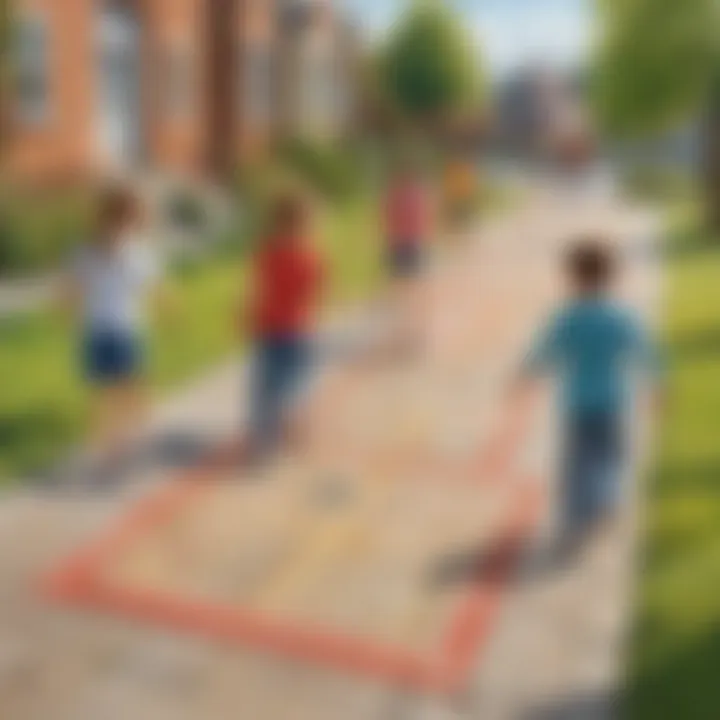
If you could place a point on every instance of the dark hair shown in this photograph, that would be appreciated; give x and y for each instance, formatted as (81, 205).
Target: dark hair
(289, 211)
(117, 206)
(591, 263)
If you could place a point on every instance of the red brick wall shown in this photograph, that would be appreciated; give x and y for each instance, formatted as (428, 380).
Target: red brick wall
(256, 27)
(220, 91)
(234, 26)
(63, 143)
(176, 140)
(212, 132)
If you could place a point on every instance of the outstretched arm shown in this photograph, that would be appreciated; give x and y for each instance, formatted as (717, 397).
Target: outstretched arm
(68, 294)
(648, 356)
(542, 357)
(545, 351)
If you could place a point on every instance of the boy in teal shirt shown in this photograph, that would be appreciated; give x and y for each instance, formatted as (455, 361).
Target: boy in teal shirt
(591, 345)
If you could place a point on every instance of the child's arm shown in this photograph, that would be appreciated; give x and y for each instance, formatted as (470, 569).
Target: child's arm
(69, 293)
(163, 296)
(649, 358)
(546, 350)
(541, 358)
(648, 353)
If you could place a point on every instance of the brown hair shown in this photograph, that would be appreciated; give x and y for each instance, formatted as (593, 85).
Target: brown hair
(591, 263)
(290, 211)
(117, 207)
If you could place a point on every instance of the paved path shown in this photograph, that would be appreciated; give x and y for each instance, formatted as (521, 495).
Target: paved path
(555, 650)
(18, 296)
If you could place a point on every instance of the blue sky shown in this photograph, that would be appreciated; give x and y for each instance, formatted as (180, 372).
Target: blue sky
(510, 32)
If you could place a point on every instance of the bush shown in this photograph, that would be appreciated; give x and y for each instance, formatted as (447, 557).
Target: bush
(186, 211)
(38, 232)
(333, 171)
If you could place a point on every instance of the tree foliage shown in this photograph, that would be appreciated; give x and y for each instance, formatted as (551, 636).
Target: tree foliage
(656, 62)
(429, 69)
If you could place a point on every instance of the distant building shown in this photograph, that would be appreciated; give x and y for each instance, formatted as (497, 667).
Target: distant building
(189, 86)
(517, 116)
(537, 108)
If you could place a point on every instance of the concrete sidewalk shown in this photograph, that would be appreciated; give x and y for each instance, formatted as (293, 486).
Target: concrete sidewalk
(555, 653)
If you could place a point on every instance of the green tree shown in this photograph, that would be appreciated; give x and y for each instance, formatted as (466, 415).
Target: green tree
(428, 70)
(656, 67)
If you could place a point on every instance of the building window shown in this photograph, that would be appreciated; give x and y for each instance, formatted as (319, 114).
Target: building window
(180, 79)
(32, 71)
(257, 74)
(317, 98)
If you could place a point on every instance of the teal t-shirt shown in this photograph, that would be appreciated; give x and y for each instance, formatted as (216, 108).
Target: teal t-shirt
(593, 346)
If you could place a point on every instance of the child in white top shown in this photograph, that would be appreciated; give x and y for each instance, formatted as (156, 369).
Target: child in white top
(110, 284)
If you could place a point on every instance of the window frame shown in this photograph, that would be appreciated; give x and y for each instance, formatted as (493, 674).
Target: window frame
(258, 85)
(31, 64)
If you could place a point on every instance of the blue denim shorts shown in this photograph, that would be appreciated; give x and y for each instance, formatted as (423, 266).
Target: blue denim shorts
(111, 356)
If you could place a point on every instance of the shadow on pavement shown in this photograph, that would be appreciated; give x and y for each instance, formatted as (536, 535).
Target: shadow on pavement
(167, 453)
(597, 705)
(541, 560)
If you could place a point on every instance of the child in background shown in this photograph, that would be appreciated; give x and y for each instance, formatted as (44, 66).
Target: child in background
(461, 189)
(591, 345)
(408, 227)
(286, 285)
(110, 283)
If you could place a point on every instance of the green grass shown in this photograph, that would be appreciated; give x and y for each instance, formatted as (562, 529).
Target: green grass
(43, 402)
(675, 661)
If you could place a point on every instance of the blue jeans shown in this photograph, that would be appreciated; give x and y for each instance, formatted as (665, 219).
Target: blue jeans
(279, 368)
(593, 463)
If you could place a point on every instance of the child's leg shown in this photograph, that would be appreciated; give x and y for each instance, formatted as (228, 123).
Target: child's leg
(134, 400)
(113, 362)
(105, 421)
(294, 361)
(576, 468)
(413, 306)
(607, 467)
(265, 413)
(421, 308)
(592, 472)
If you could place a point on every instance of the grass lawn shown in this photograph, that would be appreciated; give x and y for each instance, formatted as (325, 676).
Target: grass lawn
(43, 403)
(675, 660)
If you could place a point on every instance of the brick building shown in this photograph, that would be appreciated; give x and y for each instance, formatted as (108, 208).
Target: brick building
(318, 69)
(190, 86)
